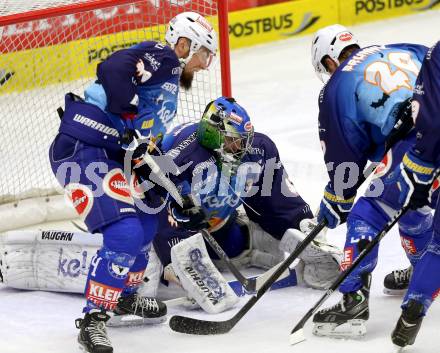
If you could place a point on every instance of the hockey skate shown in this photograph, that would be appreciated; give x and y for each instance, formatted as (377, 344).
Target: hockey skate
(408, 326)
(396, 282)
(347, 318)
(133, 310)
(92, 336)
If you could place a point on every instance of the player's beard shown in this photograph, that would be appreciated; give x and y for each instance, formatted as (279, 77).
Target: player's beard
(186, 79)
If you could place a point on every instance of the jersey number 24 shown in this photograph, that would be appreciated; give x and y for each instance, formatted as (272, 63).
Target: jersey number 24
(380, 73)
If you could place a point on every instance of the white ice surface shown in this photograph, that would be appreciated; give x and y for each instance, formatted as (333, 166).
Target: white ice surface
(278, 87)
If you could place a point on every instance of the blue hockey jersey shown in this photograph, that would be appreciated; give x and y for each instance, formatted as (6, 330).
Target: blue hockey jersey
(358, 108)
(141, 81)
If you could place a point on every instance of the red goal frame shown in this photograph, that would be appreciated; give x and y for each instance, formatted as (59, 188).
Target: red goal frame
(223, 27)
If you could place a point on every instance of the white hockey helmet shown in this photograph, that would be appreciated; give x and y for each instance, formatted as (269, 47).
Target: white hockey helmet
(196, 28)
(330, 40)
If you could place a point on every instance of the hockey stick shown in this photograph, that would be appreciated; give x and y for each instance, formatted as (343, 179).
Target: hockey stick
(297, 334)
(189, 325)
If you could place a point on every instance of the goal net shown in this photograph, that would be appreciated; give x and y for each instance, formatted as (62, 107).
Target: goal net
(51, 47)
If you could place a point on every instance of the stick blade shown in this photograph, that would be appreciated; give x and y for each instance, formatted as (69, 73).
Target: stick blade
(297, 337)
(193, 326)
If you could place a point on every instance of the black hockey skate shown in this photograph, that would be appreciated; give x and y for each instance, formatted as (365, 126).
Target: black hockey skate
(347, 318)
(409, 323)
(397, 282)
(137, 310)
(92, 336)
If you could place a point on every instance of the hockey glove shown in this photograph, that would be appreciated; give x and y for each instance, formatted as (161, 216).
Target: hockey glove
(334, 208)
(414, 177)
(190, 216)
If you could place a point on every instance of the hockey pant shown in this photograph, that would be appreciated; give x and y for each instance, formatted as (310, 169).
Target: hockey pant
(95, 182)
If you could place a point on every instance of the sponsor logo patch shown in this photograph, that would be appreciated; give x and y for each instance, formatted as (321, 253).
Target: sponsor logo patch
(56, 235)
(248, 126)
(435, 184)
(262, 25)
(115, 185)
(348, 258)
(235, 118)
(170, 87)
(102, 295)
(72, 267)
(385, 165)
(409, 245)
(81, 197)
(147, 124)
(205, 24)
(119, 272)
(134, 279)
(345, 37)
(375, 6)
(81, 119)
(203, 278)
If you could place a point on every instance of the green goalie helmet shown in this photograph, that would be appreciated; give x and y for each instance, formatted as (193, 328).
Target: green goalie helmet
(226, 128)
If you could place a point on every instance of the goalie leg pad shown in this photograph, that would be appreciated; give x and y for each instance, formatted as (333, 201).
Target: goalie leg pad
(47, 260)
(199, 277)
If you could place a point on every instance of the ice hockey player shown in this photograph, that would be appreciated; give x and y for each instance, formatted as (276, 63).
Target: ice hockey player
(364, 109)
(415, 176)
(134, 99)
(227, 165)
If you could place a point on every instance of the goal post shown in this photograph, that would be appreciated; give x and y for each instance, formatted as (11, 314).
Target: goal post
(51, 47)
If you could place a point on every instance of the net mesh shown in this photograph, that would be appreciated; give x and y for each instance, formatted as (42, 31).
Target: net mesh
(43, 59)
(12, 7)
